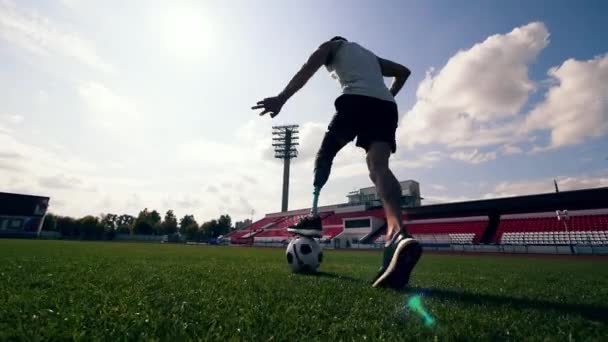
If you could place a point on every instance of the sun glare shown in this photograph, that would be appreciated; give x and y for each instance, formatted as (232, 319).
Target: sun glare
(187, 33)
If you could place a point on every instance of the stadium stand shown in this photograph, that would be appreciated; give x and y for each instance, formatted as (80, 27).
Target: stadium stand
(277, 232)
(21, 216)
(330, 232)
(581, 227)
(246, 235)
(518, 223)
(337, 218)
(453, 231)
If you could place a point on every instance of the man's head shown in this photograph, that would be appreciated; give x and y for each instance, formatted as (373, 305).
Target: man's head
(329, 59)
(338, 38)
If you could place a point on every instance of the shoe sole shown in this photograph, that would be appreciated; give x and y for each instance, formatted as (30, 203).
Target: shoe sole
(306, 232)
(398, 272)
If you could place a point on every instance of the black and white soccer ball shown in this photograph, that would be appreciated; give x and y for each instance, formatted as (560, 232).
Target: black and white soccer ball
(304, 255)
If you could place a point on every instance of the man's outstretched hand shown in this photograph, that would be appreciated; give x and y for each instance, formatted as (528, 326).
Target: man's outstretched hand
(270, 105)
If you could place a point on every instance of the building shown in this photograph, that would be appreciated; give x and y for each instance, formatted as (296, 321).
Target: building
(353, 220)
(565, 222)
(410, 195)
(22, 215)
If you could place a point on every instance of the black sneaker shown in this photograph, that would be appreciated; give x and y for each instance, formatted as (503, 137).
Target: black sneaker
(400, 257)
(310, 226)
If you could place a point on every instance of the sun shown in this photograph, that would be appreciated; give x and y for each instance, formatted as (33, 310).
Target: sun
(187, 33)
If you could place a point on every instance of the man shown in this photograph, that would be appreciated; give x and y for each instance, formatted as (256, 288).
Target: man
(366, 110)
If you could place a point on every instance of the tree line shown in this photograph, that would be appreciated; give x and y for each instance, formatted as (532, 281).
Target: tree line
(106, 226)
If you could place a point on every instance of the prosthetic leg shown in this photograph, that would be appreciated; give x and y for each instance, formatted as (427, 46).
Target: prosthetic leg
(330, 146)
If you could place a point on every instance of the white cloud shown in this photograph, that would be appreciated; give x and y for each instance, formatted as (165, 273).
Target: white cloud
(11, 119)
(188, 202)
(473, 156)
(311, 135)
(445, 199)
(212, 154)
(520, 188)
(250, 145)
(511, 150)
(106, 107)
(536, 186)
(134, 202)
(576, 106)
(42, 97)
(47, 170)
(204, 177)
(28, 30)
(438, 187)
(250, 180)
(474, 99)
(350, 161)
(426, 160)
(71, 3)
(8, 165)
(60, 181)
(241, 208)
(9, 155)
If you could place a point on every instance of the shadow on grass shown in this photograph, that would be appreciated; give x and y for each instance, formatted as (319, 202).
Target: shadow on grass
(592, 312)
(336, 276)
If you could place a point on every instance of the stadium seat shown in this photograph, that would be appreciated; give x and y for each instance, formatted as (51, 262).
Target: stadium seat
(462, 232)
(548, 230)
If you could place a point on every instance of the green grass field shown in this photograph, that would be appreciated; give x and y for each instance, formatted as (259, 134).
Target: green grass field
(126, 291)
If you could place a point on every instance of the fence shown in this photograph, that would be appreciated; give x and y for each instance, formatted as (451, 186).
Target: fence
(139, 237)
(574, 249)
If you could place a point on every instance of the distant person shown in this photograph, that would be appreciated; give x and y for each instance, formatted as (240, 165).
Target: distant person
(366, 110)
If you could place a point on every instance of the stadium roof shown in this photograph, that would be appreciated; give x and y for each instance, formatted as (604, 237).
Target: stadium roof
(22, 205)
(565, 200)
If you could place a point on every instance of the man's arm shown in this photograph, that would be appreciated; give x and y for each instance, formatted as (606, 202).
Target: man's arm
(314, 62)
(396, 70)
(274, 104)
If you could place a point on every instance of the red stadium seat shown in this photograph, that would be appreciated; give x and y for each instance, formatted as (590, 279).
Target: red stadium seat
(462, 232)
(582, 229)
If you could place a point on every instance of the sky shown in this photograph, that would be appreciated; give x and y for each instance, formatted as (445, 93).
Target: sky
(117, 106)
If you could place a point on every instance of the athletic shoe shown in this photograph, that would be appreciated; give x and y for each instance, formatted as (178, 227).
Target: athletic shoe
(400, 257)
(310, 226)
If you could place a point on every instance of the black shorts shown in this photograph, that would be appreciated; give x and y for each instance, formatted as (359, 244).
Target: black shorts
(366, 118)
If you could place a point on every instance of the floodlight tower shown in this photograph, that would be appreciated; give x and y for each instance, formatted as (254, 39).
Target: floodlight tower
(284, 141)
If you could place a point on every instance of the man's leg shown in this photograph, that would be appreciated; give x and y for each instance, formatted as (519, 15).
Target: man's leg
(401, 252)
(330, 146)
(387, 185)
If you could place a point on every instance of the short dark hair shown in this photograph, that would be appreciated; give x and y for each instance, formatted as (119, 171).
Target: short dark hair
(338, 38)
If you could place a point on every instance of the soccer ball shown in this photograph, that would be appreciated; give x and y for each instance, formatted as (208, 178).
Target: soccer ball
(304, 255)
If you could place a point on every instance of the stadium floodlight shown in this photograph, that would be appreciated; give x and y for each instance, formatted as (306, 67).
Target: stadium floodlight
(284, 140)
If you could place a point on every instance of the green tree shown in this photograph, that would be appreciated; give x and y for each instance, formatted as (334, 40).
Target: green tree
(208, 229)
(124, 224)
(224, 225)
(169, 225)
(189, 227)
(67, 226)
(109, 222)
(145, 222)
(89, 227)
(155, 221)
(50, 222)
(143, 227)
(242, 224)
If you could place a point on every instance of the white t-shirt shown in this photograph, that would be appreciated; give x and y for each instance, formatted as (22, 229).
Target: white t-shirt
(358, 71)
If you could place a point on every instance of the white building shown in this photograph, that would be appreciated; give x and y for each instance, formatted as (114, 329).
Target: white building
(410, 195)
